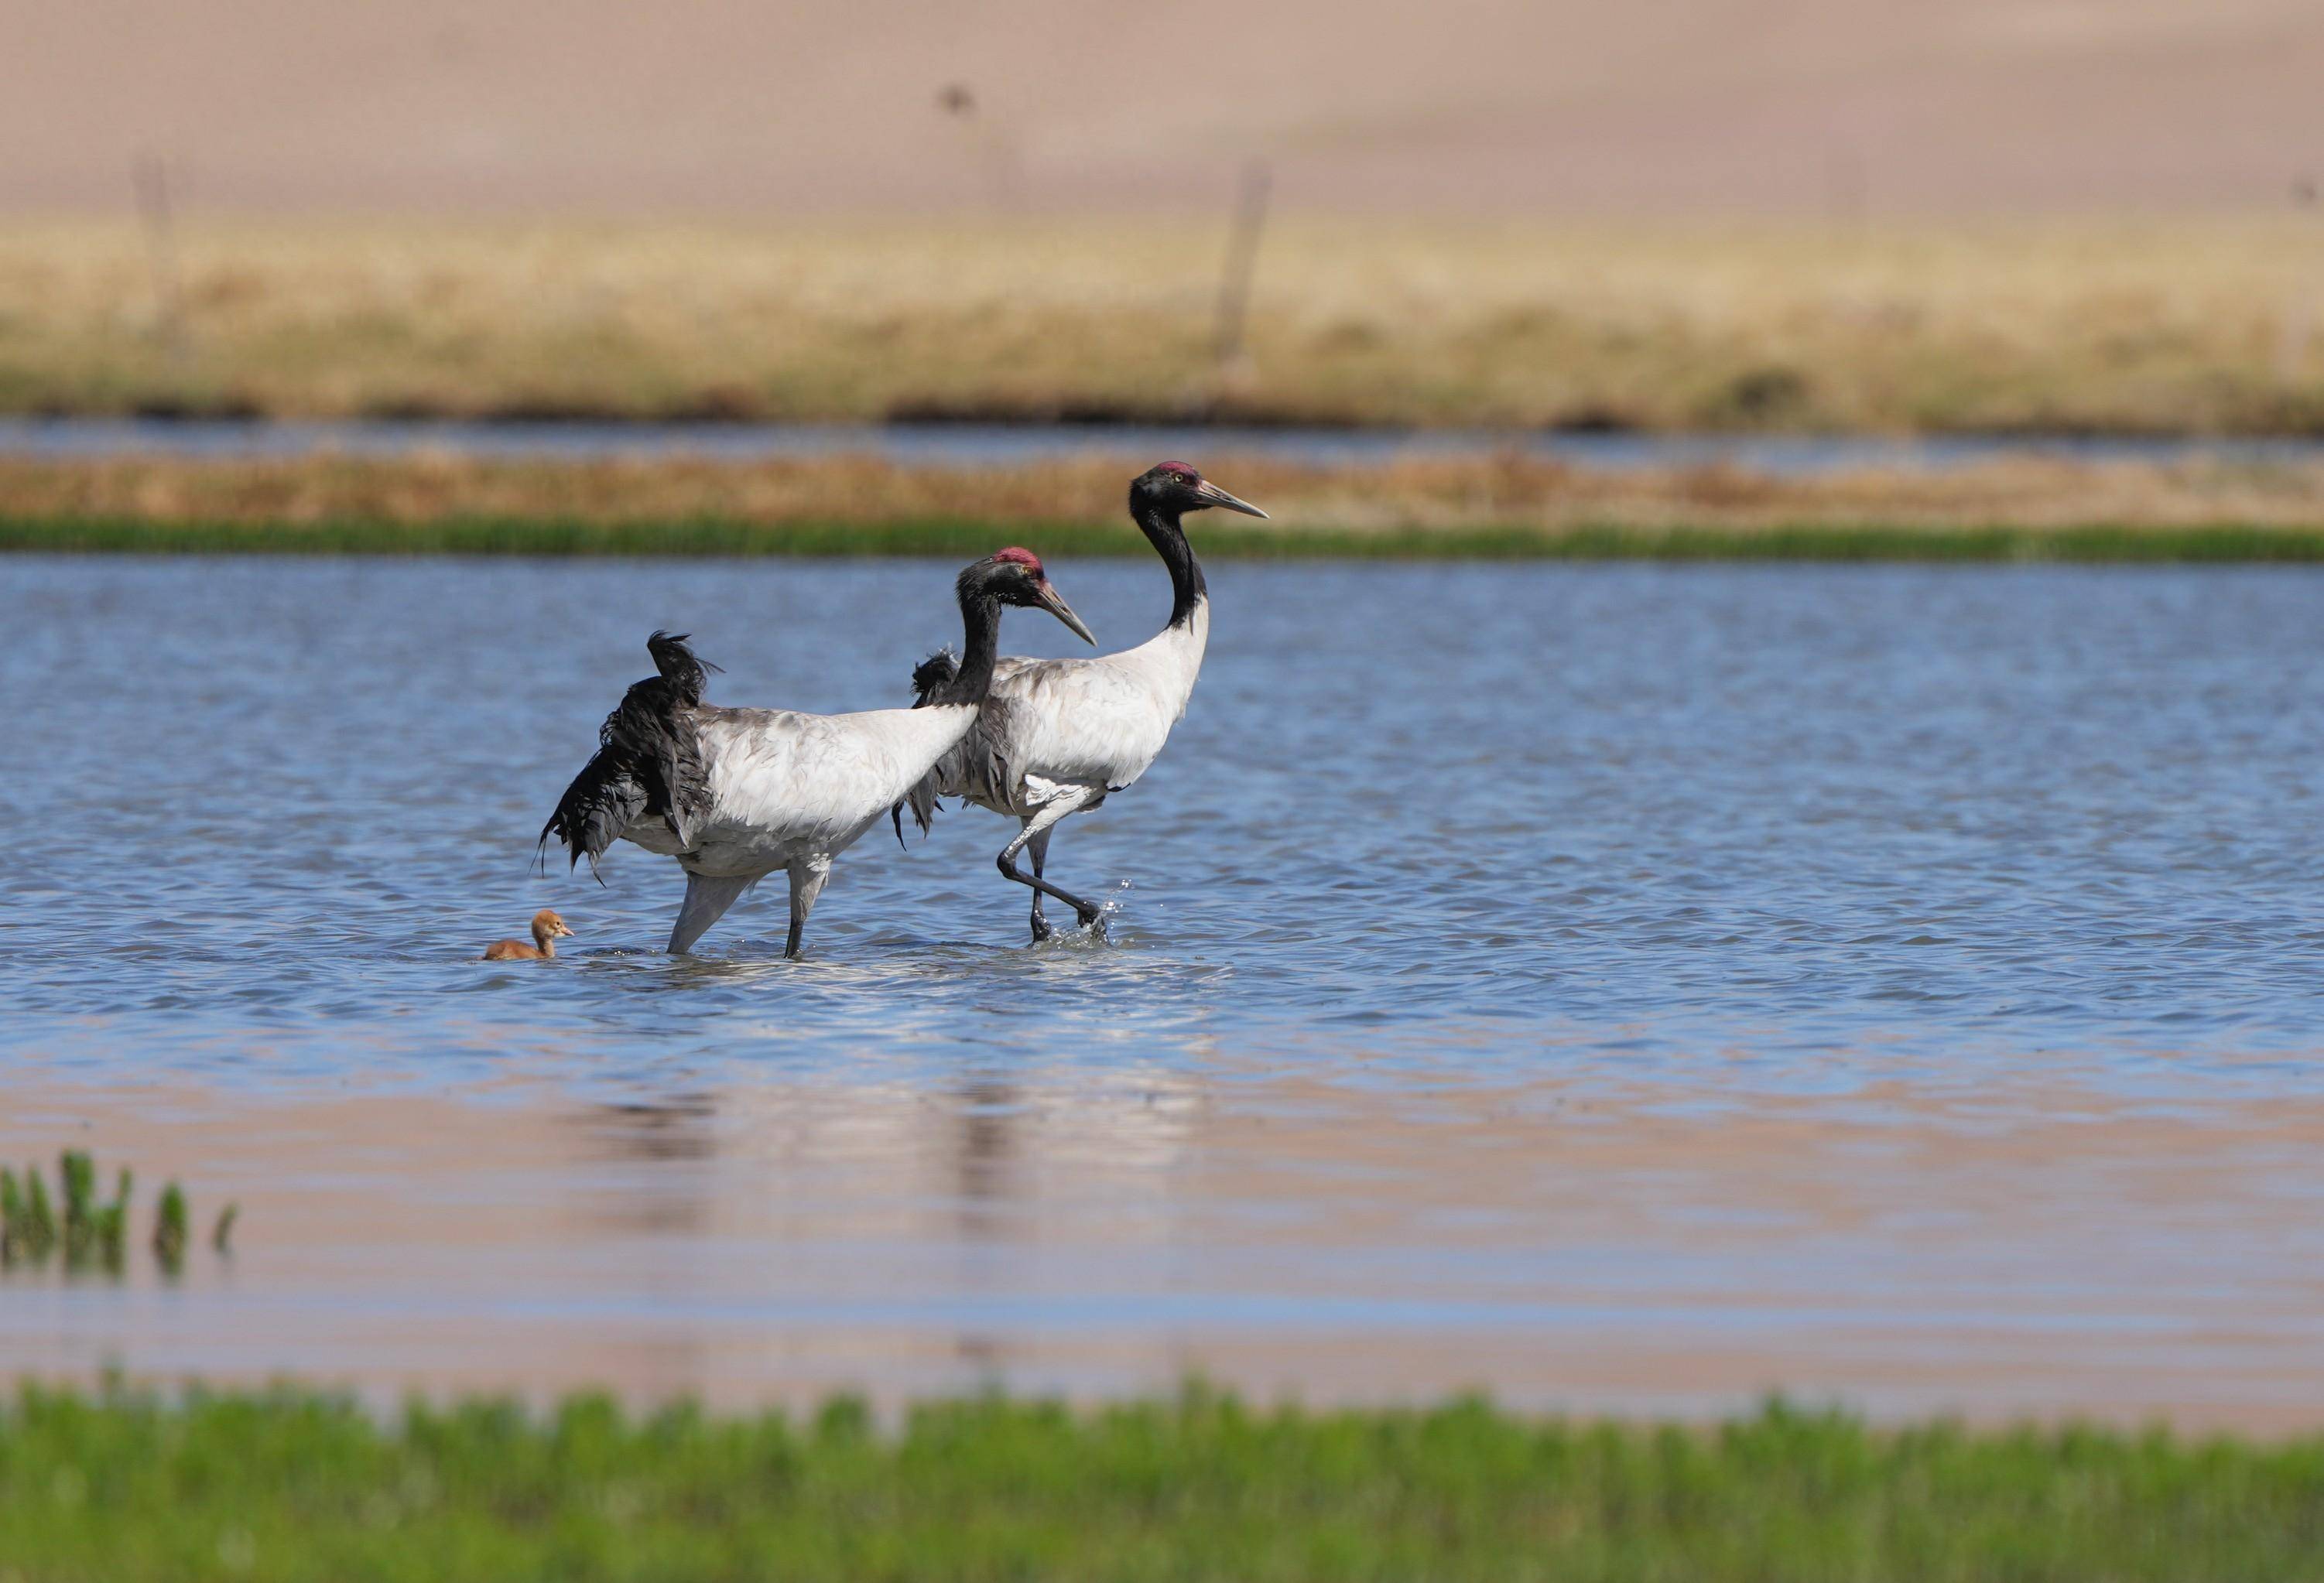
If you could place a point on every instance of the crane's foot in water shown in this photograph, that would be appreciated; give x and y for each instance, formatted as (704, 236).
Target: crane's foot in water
(1093, 921)
(1092, 915)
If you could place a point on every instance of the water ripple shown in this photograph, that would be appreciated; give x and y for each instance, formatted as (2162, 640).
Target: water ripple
(1880, 818)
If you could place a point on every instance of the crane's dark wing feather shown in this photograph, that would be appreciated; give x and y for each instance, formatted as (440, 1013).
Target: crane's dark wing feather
(936, 671)
(648, 764)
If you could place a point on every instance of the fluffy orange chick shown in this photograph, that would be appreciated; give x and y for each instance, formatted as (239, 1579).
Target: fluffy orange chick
(548, 928)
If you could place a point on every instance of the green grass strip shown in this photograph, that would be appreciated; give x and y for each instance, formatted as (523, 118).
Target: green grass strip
(2216, 542)
(293, 1486)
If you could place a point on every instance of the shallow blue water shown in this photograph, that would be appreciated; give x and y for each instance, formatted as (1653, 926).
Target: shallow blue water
(1815, 824)
(1619, 986)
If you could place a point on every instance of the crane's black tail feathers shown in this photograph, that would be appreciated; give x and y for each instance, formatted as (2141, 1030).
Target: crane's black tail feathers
(936, 671)
(679, 665)
(648, 764)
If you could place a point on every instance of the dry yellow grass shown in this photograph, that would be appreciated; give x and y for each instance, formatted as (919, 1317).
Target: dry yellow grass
(1412, 499)
(2206, 325)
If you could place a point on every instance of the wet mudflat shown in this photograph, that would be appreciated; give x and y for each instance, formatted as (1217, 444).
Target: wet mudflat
(1620, 987)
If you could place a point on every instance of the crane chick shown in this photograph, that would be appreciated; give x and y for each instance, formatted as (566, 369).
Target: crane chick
(548, 929)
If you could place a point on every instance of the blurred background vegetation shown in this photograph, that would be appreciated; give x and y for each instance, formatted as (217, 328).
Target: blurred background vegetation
(2135, 326)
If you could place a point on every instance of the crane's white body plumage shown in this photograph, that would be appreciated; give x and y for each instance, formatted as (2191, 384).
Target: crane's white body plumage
(1056, 728)
(786, 786)
(790, 792)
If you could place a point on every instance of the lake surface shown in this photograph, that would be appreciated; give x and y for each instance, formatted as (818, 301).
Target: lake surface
(981, 445)
(1625, 986)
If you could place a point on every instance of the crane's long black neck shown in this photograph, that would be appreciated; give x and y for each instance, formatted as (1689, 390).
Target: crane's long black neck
(980, 615)
(1169, 541)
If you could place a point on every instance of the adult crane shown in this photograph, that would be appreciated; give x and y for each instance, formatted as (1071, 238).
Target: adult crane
(1059, 736)
(734, 795)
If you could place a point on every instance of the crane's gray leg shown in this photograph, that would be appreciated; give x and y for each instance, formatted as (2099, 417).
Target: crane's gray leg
(707, 897)
(1036, 828)
(1037, 848)
(806, 883)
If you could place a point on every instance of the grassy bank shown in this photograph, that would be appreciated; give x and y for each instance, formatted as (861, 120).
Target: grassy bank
(290, 1485)
(965, 539)
(1505, 506)
(2180, 323)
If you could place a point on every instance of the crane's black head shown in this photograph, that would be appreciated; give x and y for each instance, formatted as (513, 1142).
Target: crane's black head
(1173, 488)
(1014, 576)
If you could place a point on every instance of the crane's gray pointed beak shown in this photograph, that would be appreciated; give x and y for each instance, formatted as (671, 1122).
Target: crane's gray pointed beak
(1211, 494)
(1055, 604)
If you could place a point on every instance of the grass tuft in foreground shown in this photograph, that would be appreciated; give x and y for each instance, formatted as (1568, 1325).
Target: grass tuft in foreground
(87, 1234)
(290, 1485)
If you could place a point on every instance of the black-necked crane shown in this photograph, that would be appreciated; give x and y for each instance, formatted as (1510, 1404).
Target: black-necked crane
(734, 795)
(1059, 736)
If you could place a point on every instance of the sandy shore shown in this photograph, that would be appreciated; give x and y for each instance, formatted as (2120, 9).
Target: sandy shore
(1485, 105)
